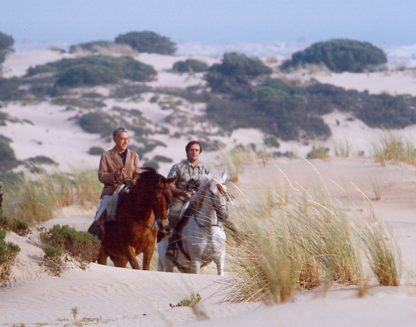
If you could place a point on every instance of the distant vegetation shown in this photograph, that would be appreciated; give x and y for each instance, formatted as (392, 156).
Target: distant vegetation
(97, 122)
(7, 156)
(290, 112)
(339, 55)
(190, 66)
(6, 43)
(146, 41)
(95, 70)
(235, 72)
(92, 46)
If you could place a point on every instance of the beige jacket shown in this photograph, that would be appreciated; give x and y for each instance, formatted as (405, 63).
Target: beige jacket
(111, 162)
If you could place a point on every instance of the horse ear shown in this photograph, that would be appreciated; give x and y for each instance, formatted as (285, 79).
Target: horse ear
(170, 180)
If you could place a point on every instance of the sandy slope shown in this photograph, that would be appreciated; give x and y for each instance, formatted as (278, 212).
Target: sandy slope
(107, 296)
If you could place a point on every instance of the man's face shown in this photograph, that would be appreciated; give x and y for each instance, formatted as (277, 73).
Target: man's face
(122, 141)
(193, 153)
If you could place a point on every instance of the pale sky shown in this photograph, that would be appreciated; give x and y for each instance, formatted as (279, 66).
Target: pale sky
(383, 22)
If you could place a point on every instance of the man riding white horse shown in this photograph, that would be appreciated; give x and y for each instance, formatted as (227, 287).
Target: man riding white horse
(187, 174)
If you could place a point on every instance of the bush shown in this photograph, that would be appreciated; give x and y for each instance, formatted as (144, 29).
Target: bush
(53, 260)
(82, 246)
(18, 226)
(235, 72)
(146, 41)
(7, 156)
(97, 122)
(8, 253)
(90, 46)
(190, 66)
(9, 89)
(339, 55)
(95, 151)
(160, 158)
(319, 152)
(95, 70)
(6, 43)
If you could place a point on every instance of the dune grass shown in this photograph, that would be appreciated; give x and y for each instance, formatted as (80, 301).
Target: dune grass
(293, 239)
(8, 253)
(395, 149)
(35, 200)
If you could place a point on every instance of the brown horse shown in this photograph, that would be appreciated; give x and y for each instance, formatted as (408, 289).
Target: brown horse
(135, 230)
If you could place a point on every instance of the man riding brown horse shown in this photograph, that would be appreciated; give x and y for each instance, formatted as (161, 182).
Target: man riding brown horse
(118, 168)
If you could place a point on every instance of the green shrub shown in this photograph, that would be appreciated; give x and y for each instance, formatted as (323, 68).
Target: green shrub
(160, 158)
(339, 55)
(95, 151)
(18, 226)
(318, 152)
(146, 41)
(95, 70)
(190, 66)
(234, 74)
(90, 46)
(271, 141)
(53, 260)
(85, 75)
(6, 43)
(8, 253)
(9, 89)
(97, 122)
(80, 245)
(7, 156)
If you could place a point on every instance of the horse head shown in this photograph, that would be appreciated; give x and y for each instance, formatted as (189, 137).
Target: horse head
(158, 193)
(219, 198)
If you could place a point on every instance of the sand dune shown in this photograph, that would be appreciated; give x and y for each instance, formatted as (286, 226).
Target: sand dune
(108, 296)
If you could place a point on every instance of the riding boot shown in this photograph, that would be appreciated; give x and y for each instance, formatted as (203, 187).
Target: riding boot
(97, 227)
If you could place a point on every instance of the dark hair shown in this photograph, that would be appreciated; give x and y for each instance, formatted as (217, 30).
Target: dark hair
(119, 130)
(191, 143)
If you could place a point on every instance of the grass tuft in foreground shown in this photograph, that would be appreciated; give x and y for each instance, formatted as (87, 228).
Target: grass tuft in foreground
(8, 253)
(304, 242)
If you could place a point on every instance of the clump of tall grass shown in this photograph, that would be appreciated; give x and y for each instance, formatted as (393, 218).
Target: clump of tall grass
(396, 149)
(302, 242)
(35, 200)
(342, 150)
(382, 253)
(318, 152)
(8, 253)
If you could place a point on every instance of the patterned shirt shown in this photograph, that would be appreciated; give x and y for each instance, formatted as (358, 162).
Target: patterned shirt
(184, 173)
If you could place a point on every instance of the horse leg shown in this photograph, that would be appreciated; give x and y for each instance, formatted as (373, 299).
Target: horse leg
(195, 266)
(119, 261)
(220, 262)
(102, 257)
(164, 264)
(131, 256)
(147, 256)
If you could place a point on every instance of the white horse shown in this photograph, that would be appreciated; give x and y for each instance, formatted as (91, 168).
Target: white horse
(201, 238)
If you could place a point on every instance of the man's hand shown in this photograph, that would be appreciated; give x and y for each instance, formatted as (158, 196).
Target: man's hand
(119, 175)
